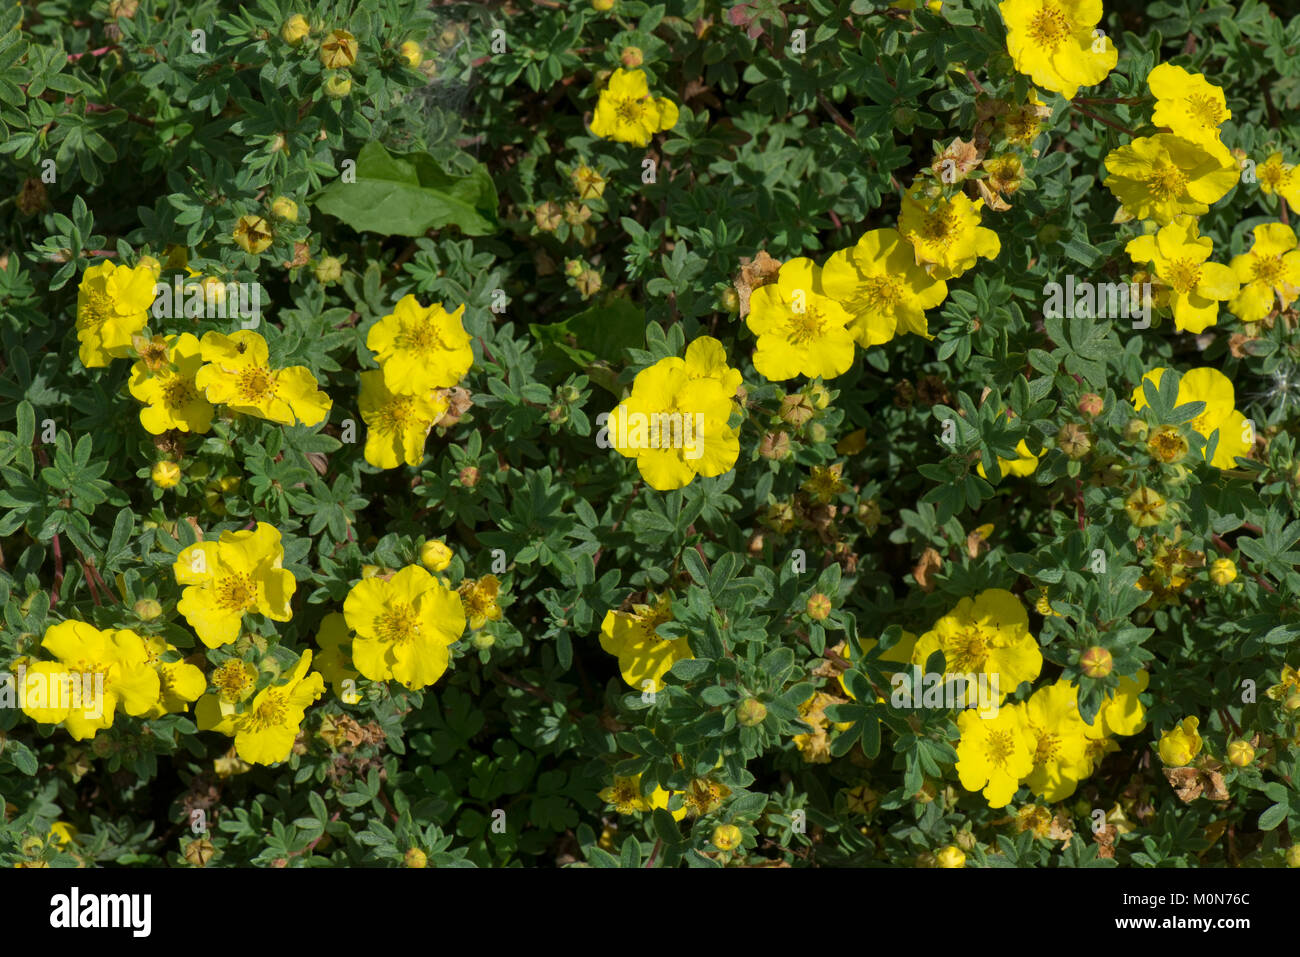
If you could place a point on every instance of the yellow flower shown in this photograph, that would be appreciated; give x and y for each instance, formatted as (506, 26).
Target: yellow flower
(480, 598)
(333, 662)
(800, 330)
(338, 50)
(824, 483)
(950, 856)
(435, 555)
(900, 654)
(1181, 743)
(95, 672)
(625, 795)
(1163, 176)
(1052, 42)
(165, 474)
(946, 234)
(1024, 464)
(1236, 436)
(285, 208)
(112, 306)
(411, 53)
(726, 837)
(880, 284)
(421, 347)
(252, 234)
(172, 398)
(704, 796)
(1180, 255)
(265, 731)
(643, 657)
(1060, 738)
(1223, 572)
(234, 680)
(294, 29)
(179, 683)
(238, 373)
(1187, 103)
(398, 425)
(1269, 273)
(236, 575)
(627, 113)
(1275, 176)
(995, 753)
(675, 422)
(405, 626)
(1145, 507)
(985, 635)
(62, 834)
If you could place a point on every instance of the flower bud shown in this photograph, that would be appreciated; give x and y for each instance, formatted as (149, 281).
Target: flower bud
(328, 270)
(818, 607)
(796, 409)
(820, 396)
(775, 446)
(165, 474)
(338, 85)
(1223, 572)
(868, 514)
(573, 268)
(751, 713)
(482, 641)
(147, 609)
(631, 58)
(294, 29)
(1293, 856)
(1096, 662)
(950, 856)
(468, 476)
(1136, 430)
(1145, 507)
(199, 852)
(602, 5)
(1073, 440)
(548, 217)
(435, 555)
(726, 837)
(730, 300)
(415, 858)
(338, 50)
(1241, 753)
(252, 234)
(410, 52)
(588, 283)
(1091, 404)
(285, 208)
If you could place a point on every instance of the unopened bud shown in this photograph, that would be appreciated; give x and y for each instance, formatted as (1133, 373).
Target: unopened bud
(751, 712)
(1096, 662)
(147, 609)
(1241, 753)
(818, 607)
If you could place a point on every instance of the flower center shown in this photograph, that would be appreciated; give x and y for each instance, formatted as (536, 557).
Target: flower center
(1184, 275)
(1167, 182)
(420, 336)
(629, 110)
(398, 624)
(1048, 744)
(396, 414)
(255, 384)
(232, 681)
(237, 592)
(1000, 747)
(97, 308)
(1271, 175)
(1268, 270)
(1204, 109)
(177, 392)
(939, 225)
(882, 292)
(1049, 28)
(805, 326)
(967, 651)
(270, 712)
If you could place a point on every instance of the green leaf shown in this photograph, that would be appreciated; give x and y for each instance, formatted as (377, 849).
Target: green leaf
(410, 195)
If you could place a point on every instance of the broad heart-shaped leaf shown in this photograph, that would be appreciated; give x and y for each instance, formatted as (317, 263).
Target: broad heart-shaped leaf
(410, 194)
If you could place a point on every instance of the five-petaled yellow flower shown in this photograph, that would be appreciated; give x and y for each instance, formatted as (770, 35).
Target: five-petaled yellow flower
(1056, 43)
(643, 657)
(1269, 273)
(238, 373)
(172, 398)
(1188, 104)
(1180, 255)
(398, 424)
(800, 329)
(265, 730)
(946, 234)
(879, 283)
(420, 348)
(627, 113)
(985, 635)
(404, 626)
(995, 752)
(1236, 433)
(1163, 176)
(112, 306)
(238, 574)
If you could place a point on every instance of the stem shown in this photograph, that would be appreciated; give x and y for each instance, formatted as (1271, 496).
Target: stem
(1101, 119)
